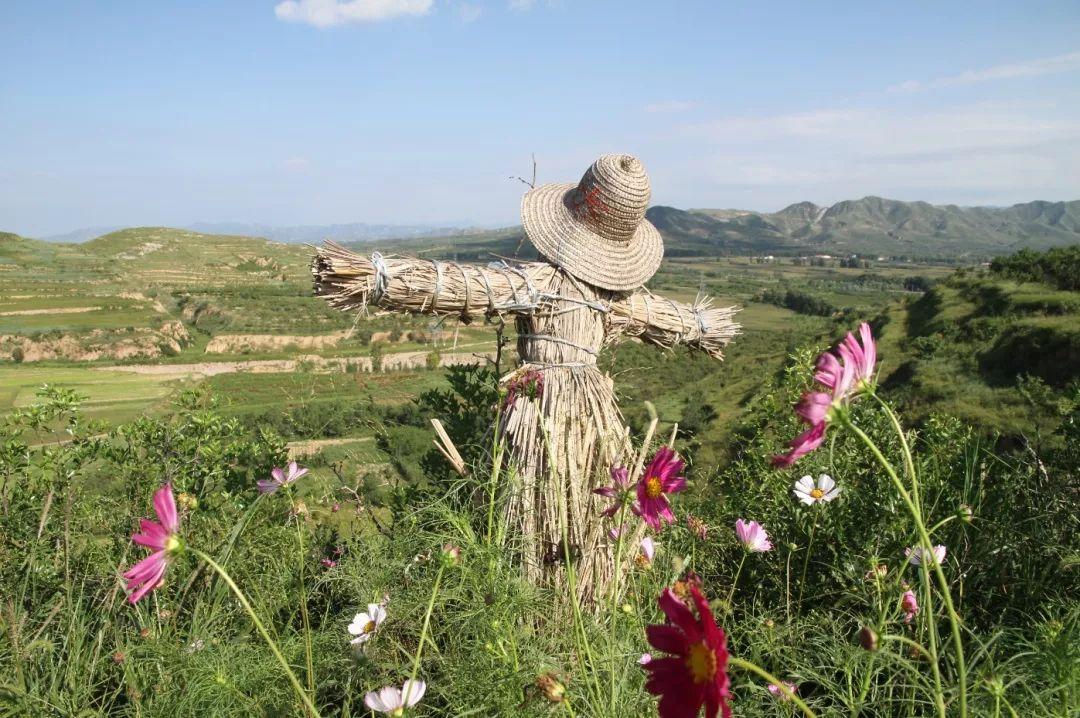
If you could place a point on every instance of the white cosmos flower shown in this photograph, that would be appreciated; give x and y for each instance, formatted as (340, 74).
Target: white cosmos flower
(392, 701)
(915, 555)
(364, 624)
(810, 493)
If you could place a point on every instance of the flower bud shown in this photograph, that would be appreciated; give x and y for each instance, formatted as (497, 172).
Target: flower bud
(965, 513)
(868, 639)
(451, 554)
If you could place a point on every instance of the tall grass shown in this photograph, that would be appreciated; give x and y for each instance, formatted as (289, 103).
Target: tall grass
(485, 642)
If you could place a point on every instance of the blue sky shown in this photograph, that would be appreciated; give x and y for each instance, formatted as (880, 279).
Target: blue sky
(400, 111)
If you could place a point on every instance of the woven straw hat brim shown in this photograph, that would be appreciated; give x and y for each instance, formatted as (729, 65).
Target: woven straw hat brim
(572, 245)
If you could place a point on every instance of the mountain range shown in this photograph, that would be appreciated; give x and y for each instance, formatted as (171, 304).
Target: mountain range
(871, 226)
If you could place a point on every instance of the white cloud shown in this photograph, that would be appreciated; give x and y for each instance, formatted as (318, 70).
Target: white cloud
(994, 153)
(327, 13)
(1069, 62)
(671, 106)
(467, 12)
(522, 5)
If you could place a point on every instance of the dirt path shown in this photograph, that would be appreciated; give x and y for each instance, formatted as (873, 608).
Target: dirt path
(54, 310)
(390, 362)
(307, 447)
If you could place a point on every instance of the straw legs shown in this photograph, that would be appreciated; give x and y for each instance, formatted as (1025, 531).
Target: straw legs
(562, 445)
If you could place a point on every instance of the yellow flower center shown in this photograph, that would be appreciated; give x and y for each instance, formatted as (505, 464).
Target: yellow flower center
(369, 627)
(702, 663)
(172, 543)
(817, 494)
(653, 487)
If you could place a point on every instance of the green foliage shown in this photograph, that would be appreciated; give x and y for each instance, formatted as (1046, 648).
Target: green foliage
(1059, 267)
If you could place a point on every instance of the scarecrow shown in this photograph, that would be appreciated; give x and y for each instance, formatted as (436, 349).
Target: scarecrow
(561, 424)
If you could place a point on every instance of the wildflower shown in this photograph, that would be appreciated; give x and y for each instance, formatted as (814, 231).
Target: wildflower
(328, 563)
(335, 508)
(195, 646)
(909, 605)
(777, 692)
(620, 490)
(916, 554)
(645, 659)
(844, 376)
(364, 625)
(149, 573)
(647, 552)
(118, 657)
(186, 501)
(661, 478)
(615, 532)
(697, 527)
(144, 633)
(550, 686)
(753, 536)
(696, 672)
(681, 588)
(530, 385)
(809, 493)
(868, 639)
(280, 478)
(451, 554)
(392, 701)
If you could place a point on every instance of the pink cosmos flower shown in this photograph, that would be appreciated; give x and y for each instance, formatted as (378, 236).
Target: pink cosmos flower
(645, 659)
(777, 693)
(843, 373)
(661, 478)
(280, 478)
(328, 563)
(148, 574)
(916, 554)
(648, 551)
(909, 605)
(753, 536)
(619, 490)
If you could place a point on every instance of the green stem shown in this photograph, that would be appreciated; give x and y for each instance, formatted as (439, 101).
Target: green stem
(615, 599)
(908, 642)
(262, 631)
(924, 537)
(909, 460)
(735, 582)
(806, 561)
(427, 620)
(753, 668)
(308, 658)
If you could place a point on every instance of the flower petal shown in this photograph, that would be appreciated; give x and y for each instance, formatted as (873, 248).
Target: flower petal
(412, 691)
(679, 614)
(165, 507)
(666, 638)
(825, 483)
(153, 535)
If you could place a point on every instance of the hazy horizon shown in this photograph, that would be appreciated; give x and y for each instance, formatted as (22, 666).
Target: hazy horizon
(419, 112)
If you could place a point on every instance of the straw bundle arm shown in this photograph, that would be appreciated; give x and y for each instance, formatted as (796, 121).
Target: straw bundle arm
(665, 322)
(419, 286)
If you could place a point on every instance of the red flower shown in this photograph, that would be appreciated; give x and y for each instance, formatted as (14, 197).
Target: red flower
(661, 478)
(696, 672)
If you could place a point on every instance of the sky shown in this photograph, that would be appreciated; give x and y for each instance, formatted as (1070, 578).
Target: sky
(120, 113)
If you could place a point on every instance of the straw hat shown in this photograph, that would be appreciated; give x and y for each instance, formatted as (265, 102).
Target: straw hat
(596, 230)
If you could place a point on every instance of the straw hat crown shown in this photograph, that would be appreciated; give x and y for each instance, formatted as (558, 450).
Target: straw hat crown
(596, 229)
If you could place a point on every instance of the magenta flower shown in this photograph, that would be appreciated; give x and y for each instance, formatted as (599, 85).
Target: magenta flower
(661, 478)
(280, 478)
(909, 605)
(845, 372)
(148, 574)
(328, 563)
(776, 691)
(753, 536)
(695, 674)
(620, 491)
